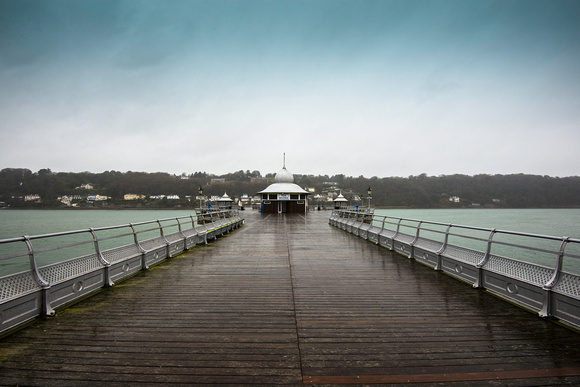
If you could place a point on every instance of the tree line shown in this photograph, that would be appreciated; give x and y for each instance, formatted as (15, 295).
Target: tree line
(509, 191)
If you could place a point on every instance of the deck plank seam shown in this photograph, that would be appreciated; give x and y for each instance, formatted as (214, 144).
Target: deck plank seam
(291, 273)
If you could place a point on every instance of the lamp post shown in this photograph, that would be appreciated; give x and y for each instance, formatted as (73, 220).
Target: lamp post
(370, 191)
(200, 192)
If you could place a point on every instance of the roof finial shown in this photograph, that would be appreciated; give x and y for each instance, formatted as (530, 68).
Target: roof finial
(284, 163)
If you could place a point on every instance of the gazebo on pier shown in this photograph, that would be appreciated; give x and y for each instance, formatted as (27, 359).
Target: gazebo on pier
(225, 202)
(340, 203)
(284, 196)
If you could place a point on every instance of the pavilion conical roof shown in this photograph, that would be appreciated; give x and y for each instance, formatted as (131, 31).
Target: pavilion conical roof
(284, 183)
(341, 198)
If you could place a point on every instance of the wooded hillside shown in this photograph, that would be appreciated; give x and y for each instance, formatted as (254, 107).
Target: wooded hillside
(514, 191)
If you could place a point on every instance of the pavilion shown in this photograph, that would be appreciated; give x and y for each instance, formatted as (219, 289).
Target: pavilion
(284, 196)
(225, 202)
(340, 203)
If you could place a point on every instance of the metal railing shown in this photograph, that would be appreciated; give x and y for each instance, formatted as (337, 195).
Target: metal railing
(538, 272)
(42, 273)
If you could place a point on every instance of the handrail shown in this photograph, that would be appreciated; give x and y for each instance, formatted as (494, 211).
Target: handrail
(38, 278)
(398, 224)
(475, 228)
(160, 225)
(34, 289)
(540, 282)
(445, 241)
(559, 265)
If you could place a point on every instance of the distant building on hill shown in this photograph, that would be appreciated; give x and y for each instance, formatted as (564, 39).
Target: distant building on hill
(133, 197)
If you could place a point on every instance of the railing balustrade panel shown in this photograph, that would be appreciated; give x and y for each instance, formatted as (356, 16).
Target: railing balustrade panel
(569, 285)
(428, 257)
(19, 310)
(537, 272)
(402, 243)
(122, 253)
(520, 292)
(74, 288)
(74, 264)
(126, 268)
(71, 268)
(17, 285)
(462, 270)
(523, 271)
(463, 254)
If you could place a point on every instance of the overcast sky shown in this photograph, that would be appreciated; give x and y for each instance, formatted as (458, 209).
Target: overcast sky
(375, 88)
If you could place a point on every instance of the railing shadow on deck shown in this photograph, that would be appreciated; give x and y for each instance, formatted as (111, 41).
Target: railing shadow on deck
(532, 271)
(51, 271)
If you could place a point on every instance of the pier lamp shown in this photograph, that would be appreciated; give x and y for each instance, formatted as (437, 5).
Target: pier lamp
(200, 192)
(370, 191)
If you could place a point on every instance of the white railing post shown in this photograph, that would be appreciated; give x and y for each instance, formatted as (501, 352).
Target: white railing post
(479, 267)
(141, 249)
(547, 306)
(46, 308)
(102, 260)
(442, 248)
(412, 244)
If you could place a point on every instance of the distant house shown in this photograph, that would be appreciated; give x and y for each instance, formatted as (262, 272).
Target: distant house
(255, 180)
(67, 200)
(85, 186)
(218, 180)
(133, 197)
(32, 198)
(97, 198)
(454, 199)
(172, 197)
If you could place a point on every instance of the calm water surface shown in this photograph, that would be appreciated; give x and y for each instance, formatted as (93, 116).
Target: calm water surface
(551, 222)
(554, 222)
(17, 223)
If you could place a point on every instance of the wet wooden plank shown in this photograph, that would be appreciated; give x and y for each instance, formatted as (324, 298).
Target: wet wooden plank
(392, 320)
(525, 376)
(291, 300)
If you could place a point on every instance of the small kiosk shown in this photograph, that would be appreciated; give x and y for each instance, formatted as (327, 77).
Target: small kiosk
(340, 203)
(225, 202)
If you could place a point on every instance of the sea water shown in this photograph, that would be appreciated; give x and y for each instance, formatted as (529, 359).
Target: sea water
(18, 223)
(546, 222)
(552, 222)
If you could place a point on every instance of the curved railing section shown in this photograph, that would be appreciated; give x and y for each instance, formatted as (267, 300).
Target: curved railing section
(51, 271)
(538, 272)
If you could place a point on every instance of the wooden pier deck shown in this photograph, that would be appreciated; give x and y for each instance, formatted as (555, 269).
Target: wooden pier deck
(291, 300)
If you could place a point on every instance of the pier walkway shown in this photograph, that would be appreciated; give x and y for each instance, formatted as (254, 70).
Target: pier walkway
(289, 299)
